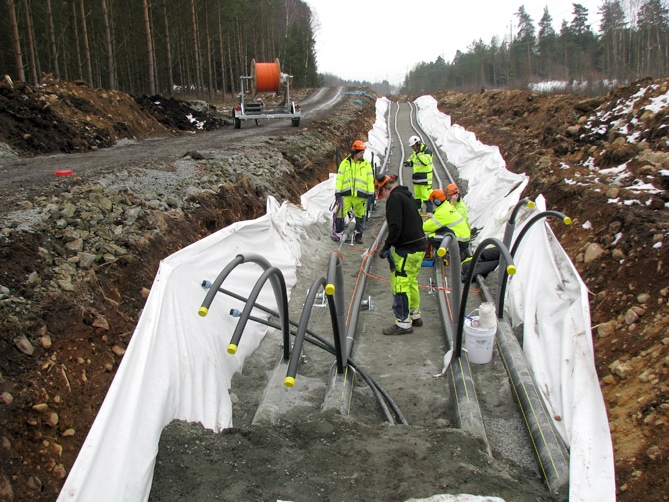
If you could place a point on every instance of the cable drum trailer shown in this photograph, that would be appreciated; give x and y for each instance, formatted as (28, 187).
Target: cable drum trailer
(265, 77)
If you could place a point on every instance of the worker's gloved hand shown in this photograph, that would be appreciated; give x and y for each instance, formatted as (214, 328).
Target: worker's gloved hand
(408, 163)
(370, 200)
(384, 253)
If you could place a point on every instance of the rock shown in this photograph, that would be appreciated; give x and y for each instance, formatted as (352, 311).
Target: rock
(24, 345)
(119, 351)
(654, 453)
(41, 407)
(618, 254)
(6, 489)
(51, 419)
(101, 322)
(613, 193)
(86, 260)
(6, 398)
(59, 471)
(34, 483)
(622, 370)
(606, 329)
(643, 298)
(45, 341)
(68, 432)
(593, 252)
(631, 316)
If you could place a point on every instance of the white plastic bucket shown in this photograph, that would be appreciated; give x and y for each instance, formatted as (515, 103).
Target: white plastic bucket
(479, 342)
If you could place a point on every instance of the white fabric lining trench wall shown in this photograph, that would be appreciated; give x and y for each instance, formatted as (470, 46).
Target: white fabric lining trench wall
(547, 296)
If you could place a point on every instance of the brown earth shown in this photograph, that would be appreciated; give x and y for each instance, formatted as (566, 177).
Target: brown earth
(51, 388)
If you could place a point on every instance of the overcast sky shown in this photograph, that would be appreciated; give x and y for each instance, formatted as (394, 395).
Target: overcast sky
(376, 40)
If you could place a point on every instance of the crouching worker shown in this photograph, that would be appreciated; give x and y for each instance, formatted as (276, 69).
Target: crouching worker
(488, 261)
(446, 219)
(409, 243)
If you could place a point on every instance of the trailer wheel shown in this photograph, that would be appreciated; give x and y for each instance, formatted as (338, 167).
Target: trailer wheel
(295, 121)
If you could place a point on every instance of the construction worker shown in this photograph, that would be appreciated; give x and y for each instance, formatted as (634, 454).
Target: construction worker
(453, 195)
(487, 262)
(421, 162)
(354, 188)
(447, 219)
(409, 243)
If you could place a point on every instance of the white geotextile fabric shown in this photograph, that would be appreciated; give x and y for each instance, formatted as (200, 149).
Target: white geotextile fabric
(547, 296)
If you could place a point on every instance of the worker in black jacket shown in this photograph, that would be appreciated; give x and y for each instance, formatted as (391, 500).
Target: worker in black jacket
(406, 236)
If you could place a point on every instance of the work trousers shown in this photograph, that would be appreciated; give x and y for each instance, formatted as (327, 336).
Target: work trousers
(404, 285)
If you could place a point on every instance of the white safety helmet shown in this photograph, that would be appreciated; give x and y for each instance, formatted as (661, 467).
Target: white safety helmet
(414, 140)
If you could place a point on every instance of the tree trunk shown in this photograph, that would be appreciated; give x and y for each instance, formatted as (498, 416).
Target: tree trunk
(87, 49)
(170, 75)
(108, 44)
(210, 85)
(75, 24)
(30, 35)
(221, 53)
(149, 48)
(52, 40)
(15, 40)
(196, 48)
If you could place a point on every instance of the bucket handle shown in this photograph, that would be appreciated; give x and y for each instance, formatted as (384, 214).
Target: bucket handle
(469, 316)
(472, 320)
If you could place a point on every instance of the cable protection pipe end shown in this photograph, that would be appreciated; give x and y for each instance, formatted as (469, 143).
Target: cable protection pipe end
(330, 289)
(289, 382)
(232, 348)
(566, 220)
(203, 311)
(531, 204)
(441, 252)
(511, 269)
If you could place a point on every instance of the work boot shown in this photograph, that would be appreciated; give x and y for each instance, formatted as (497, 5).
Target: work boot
(397, 330)
(416, 319)
(358, 238)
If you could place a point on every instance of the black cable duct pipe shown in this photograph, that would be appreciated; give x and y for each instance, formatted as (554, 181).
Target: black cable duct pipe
(382, 396)
(340, 385)
(468, 415)
(514, 249)
(551, 452)
(255, 292)
(334, 290)
(278, 285)
(301, 331)
(457, 348)
(508, 236)
(333, 269)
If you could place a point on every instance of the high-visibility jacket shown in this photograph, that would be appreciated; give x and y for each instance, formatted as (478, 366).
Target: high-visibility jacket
(446, 218)
(355, 178)
(421, 161)
(462, 209)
